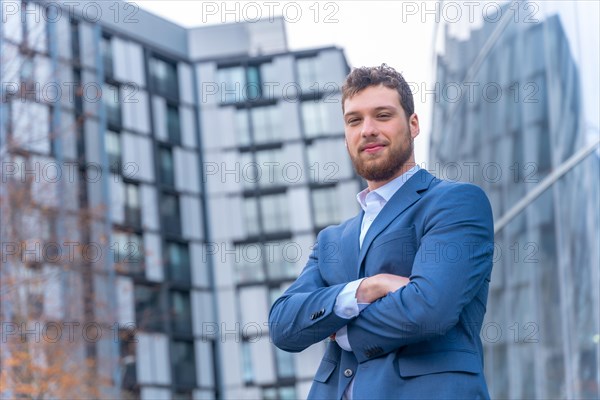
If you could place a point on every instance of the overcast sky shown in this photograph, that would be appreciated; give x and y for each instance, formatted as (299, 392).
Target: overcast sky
(370, 32)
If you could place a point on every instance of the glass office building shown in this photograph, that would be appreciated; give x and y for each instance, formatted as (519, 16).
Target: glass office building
(160, 186)
(518, 98)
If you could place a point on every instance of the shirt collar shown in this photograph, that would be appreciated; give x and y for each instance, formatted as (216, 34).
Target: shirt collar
(385, 192)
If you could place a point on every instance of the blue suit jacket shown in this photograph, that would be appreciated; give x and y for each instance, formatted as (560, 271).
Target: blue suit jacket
(421, 341)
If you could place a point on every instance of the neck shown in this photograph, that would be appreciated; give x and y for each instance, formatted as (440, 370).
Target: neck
(373, 185)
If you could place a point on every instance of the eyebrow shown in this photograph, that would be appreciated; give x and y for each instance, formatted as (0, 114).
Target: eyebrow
(376, 109)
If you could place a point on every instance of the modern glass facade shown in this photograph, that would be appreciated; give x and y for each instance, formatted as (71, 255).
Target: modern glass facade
(196, 173)
(529, 101)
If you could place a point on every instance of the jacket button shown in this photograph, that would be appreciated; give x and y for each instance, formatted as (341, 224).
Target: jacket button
(348, 373)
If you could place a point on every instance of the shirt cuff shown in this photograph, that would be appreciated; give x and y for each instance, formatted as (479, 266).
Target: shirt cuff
(346, 305)
(341, 337)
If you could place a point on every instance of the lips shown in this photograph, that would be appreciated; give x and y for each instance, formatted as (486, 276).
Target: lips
(372, 147)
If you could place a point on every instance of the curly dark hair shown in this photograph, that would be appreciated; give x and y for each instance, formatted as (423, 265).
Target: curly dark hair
(363, 77)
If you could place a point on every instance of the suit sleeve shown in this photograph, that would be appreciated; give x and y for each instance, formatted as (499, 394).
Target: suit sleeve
(451, 264)
(304, 314)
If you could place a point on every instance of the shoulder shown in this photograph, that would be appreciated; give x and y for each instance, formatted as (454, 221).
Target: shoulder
(336, 229)
(335, 232)
(454, 201)
(457, 191)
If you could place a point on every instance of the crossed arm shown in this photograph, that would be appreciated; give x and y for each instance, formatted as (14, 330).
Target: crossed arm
(289, 327)
(403, 310)
(369, 290)
(377, 286)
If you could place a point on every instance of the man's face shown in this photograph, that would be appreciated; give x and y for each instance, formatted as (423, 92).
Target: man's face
(379, 136)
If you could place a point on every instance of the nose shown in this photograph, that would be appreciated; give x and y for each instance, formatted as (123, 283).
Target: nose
(369, 128)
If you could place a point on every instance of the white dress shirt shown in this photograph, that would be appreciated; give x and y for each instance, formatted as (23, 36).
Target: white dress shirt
(346, 305)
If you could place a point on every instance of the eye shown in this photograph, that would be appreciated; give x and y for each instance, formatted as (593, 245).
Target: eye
(353, 121)
(384, 115)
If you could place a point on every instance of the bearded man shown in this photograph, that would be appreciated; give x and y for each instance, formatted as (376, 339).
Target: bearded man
(401, 288)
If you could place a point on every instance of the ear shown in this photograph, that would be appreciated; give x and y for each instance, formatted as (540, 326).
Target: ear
(413, 124)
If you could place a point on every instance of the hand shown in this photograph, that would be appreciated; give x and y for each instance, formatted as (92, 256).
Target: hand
(378, 286)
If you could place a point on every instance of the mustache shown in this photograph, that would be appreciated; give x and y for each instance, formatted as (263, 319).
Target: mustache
(371, 143)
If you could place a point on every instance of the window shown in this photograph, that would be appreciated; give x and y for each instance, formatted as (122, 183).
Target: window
(248, 262)
(111, 101)
(76, 94)
(35, 28)
(239, 83)
(30, 126)
(178, 262)
(251, 216)
(173, 124)
(266, 123)
(27, 68)
(285, 364)
(250, 171)
(307, 73)
(270, 75)
(247, 372)
(319, 169)
(163, 76)
(169, 210)
(231, 82)
(128, 252)
(107, 55)
(281, 393)
(271, 167)
(325, 206)
(278, 256)
(75, 39)
(166, 166)
(133, 213)
(242, 127)
(313, 117)
(253, 85)
(500, 384)
(544, 151)
(181, 312)
(182, 364)
(287, 393)
(112, 142)
(148, 308)
(127, 360)
(275, 214)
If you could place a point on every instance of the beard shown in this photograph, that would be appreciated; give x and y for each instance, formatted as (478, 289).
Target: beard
(386, 166)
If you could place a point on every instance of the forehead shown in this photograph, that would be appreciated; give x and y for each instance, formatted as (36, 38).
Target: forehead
(372, 97)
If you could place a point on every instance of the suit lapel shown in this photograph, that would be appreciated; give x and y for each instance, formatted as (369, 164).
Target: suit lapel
(408, 194)
(350, 246)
